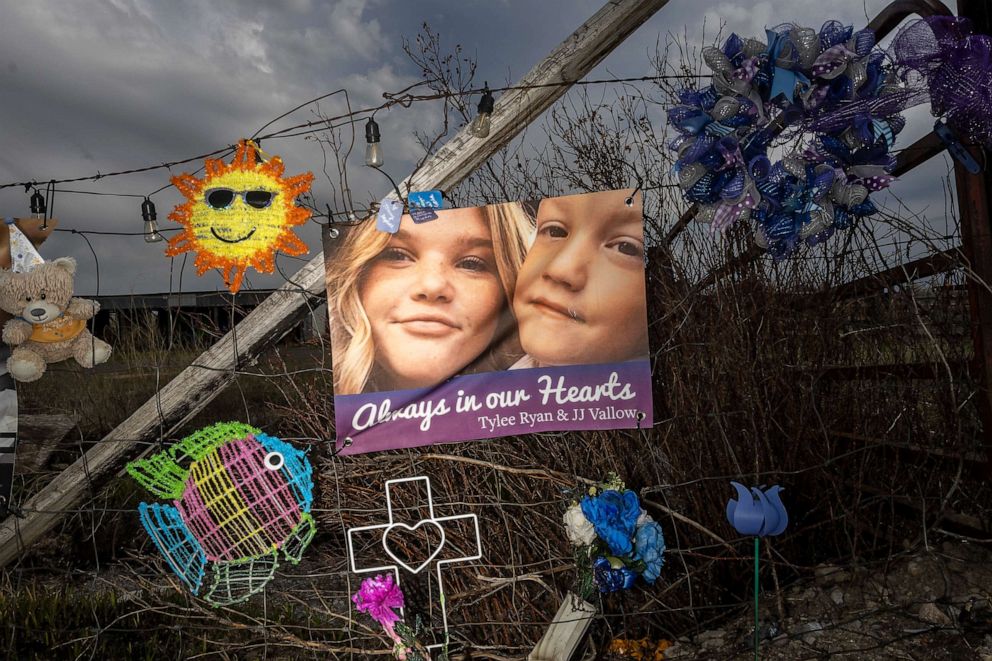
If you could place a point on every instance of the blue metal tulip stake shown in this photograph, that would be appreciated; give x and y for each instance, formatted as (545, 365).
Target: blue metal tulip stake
(757, 513)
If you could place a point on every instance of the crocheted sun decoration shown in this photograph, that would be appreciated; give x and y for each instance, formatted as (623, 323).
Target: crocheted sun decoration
(615, 540)
(240, 499)
(239, 214)
(830, 99)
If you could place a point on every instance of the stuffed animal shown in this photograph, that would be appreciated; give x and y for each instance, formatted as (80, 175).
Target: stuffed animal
(49, 324)
(19, 242)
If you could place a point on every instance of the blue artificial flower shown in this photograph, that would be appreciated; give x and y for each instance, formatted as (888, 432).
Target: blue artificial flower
(757, 512)
(614, 517)
(609, 579)
(649, 547)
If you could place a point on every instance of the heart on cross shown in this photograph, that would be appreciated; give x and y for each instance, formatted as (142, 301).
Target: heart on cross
(431, 539)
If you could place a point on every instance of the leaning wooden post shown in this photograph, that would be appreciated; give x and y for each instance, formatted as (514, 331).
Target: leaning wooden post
(975, 205)
(563, 637)
(198, 384)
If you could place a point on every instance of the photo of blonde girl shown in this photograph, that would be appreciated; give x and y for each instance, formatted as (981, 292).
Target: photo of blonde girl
(414, 308)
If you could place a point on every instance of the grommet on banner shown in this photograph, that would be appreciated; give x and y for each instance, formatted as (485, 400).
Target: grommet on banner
(348, 440)
(629, 201)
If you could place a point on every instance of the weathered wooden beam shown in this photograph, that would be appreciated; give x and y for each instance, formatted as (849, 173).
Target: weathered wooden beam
(940, 262)
(975, 203)
(916, 449)
(904, 371)
(681, 224)
(197, 385)
(894, 13)
(965, 523)
(918, 153)
(562, 639)
(38, 437)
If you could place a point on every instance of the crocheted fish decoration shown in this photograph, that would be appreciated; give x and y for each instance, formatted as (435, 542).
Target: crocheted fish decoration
(240, 501)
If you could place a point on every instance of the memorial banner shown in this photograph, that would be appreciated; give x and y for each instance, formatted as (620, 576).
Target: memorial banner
(491, 321)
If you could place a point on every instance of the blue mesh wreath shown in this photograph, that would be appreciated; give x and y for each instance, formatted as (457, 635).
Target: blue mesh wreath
(831, 92)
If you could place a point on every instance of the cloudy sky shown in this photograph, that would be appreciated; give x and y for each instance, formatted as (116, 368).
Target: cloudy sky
(107, 85)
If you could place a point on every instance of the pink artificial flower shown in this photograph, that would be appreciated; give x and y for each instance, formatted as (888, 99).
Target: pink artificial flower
(379, 597)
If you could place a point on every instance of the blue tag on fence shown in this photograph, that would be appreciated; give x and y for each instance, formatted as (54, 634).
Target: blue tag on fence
(422, 214)
(428, 198)
(388, 218)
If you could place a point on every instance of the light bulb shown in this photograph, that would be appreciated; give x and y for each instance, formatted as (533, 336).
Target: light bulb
(480, 125)
(151, 232)
(149, 216)
(38, 206)
(373, 155)
(373, 150)
(483, 119)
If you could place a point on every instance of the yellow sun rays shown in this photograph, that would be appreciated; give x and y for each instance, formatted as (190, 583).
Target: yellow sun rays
(239, 236)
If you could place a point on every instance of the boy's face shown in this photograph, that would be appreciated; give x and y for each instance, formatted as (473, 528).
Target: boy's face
(580, 292)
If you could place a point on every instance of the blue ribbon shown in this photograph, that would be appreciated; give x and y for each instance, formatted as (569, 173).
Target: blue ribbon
(694, 124)
(784, 81)
(883, 129)
(718, 129)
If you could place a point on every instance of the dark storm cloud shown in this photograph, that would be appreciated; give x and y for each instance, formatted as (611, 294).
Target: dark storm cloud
(105, 85)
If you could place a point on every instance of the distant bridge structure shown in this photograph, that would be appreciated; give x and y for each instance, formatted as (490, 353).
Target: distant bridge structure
(189, 317)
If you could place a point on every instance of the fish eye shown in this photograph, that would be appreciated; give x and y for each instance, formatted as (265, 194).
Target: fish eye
(274, 461)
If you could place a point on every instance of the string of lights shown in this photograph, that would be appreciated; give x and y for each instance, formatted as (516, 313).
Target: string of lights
(479, 127)
(403, 98)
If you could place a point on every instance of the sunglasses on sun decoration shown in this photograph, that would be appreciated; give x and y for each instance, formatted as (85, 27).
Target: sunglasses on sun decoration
(222, 198)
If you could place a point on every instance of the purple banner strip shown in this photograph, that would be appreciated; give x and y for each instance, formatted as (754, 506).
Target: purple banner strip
(494, 404)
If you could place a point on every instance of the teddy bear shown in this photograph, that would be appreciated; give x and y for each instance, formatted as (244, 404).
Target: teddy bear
(49, 325)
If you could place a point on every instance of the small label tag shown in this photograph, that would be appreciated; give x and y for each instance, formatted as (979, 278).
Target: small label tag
(422, 214)
(388, 218)
(428, 198)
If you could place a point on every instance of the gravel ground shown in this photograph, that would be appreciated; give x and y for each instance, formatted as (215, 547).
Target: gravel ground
(933, 605)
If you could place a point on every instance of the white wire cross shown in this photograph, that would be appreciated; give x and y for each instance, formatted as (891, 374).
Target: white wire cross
(438, 523)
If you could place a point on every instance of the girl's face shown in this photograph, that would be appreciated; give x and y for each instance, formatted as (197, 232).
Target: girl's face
(433, 298)
(580, 292)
